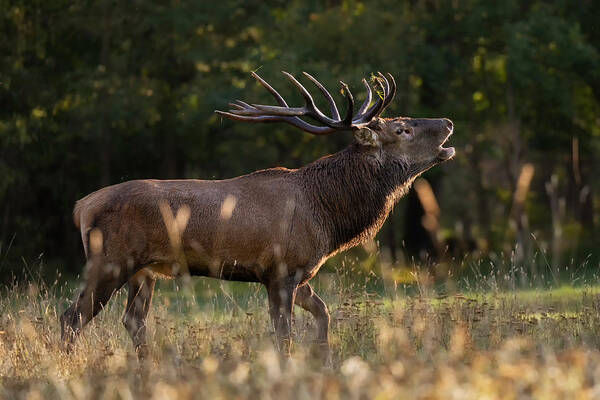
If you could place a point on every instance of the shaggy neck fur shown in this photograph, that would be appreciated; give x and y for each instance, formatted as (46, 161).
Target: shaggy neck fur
(353, 192)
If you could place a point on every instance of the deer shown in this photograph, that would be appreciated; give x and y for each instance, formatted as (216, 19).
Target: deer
(275, 226)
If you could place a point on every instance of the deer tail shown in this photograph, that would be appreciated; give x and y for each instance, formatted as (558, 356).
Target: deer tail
(82, 222)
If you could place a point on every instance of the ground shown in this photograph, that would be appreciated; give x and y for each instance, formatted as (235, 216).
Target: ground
(211, 339)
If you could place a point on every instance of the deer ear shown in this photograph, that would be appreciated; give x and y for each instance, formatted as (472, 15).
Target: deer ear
(366, 137)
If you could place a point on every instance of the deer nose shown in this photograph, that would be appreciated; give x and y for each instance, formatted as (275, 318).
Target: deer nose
(448, 123)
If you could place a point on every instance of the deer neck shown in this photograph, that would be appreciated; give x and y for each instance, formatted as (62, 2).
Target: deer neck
(353, 192)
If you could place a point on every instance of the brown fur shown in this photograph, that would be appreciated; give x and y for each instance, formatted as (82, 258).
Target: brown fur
(275, 226)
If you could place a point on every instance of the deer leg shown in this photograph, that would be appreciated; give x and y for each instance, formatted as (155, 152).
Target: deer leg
(101, 282)
(139, 299)
(281, 300)
(311, 302)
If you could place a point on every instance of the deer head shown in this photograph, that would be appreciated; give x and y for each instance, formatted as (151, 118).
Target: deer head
(418, 142)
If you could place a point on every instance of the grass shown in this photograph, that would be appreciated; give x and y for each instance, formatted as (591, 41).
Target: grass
(212, 340)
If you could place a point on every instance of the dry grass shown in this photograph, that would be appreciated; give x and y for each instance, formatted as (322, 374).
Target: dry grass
(216, 343)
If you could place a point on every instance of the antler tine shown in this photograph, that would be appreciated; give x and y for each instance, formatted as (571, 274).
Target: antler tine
(386, 90)
(307, 97)
(368, 100)
(234, 105)
(334, 110)
(311, 108)
(347, 121)
(295, 121)
(274, 92)
(262, 110)
(239, 103)
(391, 92)
(387, 94)
(375, 109)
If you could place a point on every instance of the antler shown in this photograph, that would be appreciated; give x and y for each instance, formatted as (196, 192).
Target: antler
(263, 113)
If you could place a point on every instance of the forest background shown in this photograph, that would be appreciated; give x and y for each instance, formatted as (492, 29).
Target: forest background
(94, 93)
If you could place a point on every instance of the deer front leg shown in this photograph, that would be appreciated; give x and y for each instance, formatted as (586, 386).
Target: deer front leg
(281, 296)
(139, 299)
(311, 302)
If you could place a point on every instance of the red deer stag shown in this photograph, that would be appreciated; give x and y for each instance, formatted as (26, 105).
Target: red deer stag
(276, 226)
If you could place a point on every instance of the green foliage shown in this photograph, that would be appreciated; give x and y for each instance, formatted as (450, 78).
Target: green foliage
(94, 93)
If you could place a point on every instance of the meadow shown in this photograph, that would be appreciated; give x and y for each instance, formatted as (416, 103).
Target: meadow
(390, 340)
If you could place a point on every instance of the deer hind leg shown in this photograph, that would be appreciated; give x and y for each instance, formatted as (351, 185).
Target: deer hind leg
(139, 300)
(102, 280)
(311, 302)
(281, 300)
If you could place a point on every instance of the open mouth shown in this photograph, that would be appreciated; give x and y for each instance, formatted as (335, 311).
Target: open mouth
(446, 153)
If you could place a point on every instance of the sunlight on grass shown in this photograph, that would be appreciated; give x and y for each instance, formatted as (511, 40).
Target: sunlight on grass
(213, 339)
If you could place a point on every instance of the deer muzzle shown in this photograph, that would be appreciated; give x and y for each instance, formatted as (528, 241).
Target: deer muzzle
(446, 153)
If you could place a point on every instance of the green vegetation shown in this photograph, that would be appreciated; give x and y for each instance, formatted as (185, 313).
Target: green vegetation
(214, 341)
(95, 93)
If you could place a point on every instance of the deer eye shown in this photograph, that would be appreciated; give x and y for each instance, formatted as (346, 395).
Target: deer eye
(400, 131)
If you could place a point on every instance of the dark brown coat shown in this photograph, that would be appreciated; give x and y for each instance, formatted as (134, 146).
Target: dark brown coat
(276, 226)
